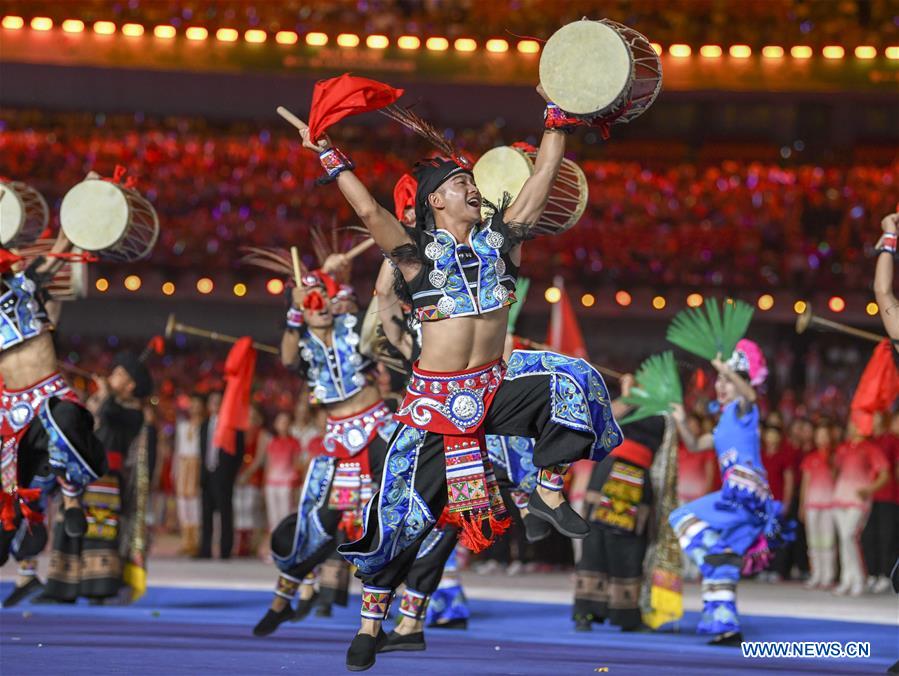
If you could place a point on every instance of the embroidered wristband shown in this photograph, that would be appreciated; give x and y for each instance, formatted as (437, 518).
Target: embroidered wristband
(335, 161)
(294, 318)
(557, 119)
(888, 243)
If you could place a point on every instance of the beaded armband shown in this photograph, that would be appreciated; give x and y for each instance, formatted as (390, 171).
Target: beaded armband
(887, 243)
(294, 318)
(335, 161)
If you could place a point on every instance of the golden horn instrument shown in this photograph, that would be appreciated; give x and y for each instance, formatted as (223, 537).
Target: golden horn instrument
(173, 326)
(611, 373)
(808, 319)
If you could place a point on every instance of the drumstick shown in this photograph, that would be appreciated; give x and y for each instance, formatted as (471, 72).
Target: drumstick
(359, 248)
(290, 117)
(77, 370)
(297, 274)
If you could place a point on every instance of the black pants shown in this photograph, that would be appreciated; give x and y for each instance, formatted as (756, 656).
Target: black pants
(427, 570)
(879, 538)
(282, 537)
(521, 407)
(609, 576)
(218, 494)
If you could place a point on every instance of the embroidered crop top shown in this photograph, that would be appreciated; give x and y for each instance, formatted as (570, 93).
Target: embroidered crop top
(464, 279)
(22, 313)
(337, 372)
(737, 440)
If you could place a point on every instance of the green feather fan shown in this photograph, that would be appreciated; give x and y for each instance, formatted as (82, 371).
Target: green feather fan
(706, 331)
(657, 387)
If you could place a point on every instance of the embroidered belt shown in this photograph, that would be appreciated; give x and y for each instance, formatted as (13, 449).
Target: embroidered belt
(345, 437)
(18, 409)
(454, 405)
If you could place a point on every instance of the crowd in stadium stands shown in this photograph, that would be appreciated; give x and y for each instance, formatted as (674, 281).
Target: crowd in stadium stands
(216, 190)
(756, 22)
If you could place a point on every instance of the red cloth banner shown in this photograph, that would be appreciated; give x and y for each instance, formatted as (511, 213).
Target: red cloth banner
(340, 97)
(234, 414)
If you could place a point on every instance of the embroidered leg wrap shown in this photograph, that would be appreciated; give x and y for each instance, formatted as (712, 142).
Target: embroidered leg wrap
(719, 601)
(27, 568)
(591, 594)
(375, 602)
(287, 586)
(413, 604)
(553, 477)
(519, 498)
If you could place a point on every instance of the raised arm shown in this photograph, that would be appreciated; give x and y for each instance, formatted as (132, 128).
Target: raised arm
(391, 313)
(883, 277)
(619, 407)
(385, 229)
(693, 444)
(531, 201)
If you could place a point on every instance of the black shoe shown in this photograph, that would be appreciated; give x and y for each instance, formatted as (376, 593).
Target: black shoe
(536, 529)
(74, 522)
(583, 623)
(6, 537)
(44, 599)
(728, 639)
(19, 594)
(272, 620)
(894, 669)
(304, 608)
(361, 653)
(404, 642)
(563, 518)
(458, 623)
(323, 610)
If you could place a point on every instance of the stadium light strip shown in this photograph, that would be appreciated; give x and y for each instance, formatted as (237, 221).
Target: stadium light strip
(379, 42)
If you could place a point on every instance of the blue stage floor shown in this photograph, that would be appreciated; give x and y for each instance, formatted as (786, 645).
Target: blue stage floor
(190, 631)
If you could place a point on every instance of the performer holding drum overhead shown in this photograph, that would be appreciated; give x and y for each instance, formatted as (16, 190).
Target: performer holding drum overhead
(47, 436)
(459, 272)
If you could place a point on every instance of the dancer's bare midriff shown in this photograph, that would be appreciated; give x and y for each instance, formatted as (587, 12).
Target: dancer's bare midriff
(28, 363)
(462, 343)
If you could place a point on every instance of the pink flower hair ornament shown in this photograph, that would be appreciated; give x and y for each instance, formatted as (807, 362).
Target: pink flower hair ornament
(748, 358)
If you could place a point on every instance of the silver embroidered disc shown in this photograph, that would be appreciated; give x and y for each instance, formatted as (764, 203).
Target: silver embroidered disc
(495, 240)
(437, 278)
(501, 293)
(446, 305)
(433, 250)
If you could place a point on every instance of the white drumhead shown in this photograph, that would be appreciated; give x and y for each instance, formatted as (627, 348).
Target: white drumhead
(12, 213)
(585, 67)
(94, 215)
(503, 169)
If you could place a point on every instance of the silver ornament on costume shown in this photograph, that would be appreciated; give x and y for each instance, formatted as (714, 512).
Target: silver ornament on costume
(352, 339)
(355, 359)
(434, 250)
(350, 321)
(501, 293)
(500, 267)
(306, 354)
(358, 379)
(495, 240)
(437, 278)
(435, 387)
(319, 392)
(28, 285)
(355, 438)
(446, 305)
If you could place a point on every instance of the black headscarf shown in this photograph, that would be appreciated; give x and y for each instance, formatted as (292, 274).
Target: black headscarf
(431, 174)
(140, 374)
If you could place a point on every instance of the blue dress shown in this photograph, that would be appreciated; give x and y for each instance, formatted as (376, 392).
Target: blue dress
(718, 529)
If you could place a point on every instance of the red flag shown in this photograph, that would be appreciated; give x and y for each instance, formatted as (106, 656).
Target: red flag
(339, 97)
(234, 413)
(877, 388)
(564, 333)
(7, 260)
(404, 195)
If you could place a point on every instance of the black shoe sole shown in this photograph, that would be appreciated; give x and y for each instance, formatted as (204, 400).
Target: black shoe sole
(403, 647)
(550, 518)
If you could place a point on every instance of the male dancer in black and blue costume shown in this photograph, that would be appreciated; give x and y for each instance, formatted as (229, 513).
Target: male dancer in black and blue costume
(339, 481)
(46, 434)
(459, 272)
